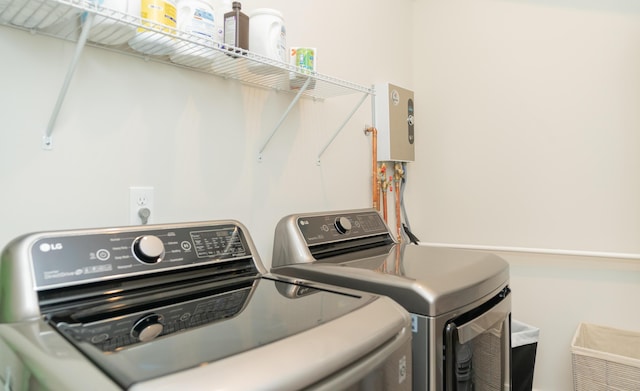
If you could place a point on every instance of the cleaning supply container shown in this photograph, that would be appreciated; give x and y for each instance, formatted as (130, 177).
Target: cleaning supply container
(236, 27)
(196, 25)
(159, 15)
(267, 34)
(305, 59)
(268, 38)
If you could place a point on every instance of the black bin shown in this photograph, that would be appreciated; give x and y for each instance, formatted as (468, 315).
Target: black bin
(524, 342)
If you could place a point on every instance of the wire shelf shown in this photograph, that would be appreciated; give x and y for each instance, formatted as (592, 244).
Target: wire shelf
(117, 31)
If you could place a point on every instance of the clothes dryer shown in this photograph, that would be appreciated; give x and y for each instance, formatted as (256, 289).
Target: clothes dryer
(459, 300)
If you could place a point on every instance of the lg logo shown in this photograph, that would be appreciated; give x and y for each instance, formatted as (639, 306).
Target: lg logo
(46, 247)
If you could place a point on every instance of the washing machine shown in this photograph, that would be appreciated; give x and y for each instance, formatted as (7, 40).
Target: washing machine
(459, 300)
(185, 306)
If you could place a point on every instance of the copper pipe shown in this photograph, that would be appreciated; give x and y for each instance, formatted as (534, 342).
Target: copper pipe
(382, 179)
(399, 173)
(398, 221)
(374, 167)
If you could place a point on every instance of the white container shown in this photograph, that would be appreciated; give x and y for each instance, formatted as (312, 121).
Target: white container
(160, 15)
(220, 7)
(267, 34)
(109, 31)
(34, 13)
(195, 18)
(267, 37)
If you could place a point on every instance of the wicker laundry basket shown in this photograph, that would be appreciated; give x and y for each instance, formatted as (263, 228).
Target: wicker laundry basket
(605, 359)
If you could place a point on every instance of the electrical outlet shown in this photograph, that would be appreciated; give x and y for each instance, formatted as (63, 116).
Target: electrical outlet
(139, 199)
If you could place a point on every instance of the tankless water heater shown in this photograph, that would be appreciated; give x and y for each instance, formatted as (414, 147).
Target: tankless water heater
(394, 121)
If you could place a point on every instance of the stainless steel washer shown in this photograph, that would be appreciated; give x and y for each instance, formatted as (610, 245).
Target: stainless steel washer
(459, 300)
(184, 306)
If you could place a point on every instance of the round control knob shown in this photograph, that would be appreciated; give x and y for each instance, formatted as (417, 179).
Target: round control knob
(343, 225)
(148, 249)
(147, 328)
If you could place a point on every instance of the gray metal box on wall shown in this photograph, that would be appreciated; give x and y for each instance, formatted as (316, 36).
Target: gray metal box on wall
(394, 121)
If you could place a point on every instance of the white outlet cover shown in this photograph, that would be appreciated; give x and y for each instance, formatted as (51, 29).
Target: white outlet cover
(140, 197)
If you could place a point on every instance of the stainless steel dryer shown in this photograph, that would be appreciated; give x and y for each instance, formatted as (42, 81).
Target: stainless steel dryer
(459, 300)
(184, 306)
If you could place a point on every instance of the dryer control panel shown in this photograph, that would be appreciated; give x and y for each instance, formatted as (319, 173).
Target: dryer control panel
(319, 229)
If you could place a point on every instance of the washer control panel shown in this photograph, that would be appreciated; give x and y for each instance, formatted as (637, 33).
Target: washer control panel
(341, 226)
(77, 257)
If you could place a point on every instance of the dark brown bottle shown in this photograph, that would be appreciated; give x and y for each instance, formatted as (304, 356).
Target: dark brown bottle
(236, 27)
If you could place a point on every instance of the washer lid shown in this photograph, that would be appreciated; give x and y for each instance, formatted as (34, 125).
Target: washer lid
(429, 281)
(208, 330)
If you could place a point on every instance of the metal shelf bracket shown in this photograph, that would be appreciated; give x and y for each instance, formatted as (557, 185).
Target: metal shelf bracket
(360, 102)
(284, 116)
(47, 139)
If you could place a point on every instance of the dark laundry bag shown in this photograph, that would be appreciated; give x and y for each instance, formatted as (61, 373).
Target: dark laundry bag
(524, 343)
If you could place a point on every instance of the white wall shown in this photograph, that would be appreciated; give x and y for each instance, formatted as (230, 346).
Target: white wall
(193, 137)
(529, 122)
(527, 136)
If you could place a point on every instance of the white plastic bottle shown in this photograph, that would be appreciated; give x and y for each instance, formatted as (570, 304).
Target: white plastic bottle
(267, 37)
(195, 18)
(267, 34)
(220, 7)
(161, 15)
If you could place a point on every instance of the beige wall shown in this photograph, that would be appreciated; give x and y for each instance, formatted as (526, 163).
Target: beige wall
(529, 122)
(528, 137)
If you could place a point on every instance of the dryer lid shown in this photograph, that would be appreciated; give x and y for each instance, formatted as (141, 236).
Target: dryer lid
(428, 281)
(355, 249)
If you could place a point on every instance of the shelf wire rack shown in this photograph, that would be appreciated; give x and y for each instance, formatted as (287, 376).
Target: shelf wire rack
(64, 19)
(87, 22)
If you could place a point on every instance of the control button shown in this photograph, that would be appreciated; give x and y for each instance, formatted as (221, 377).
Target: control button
(147, 328)
(102, 254)
(99, 338)
(342, 224)
(186, 246)
(148, 249)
